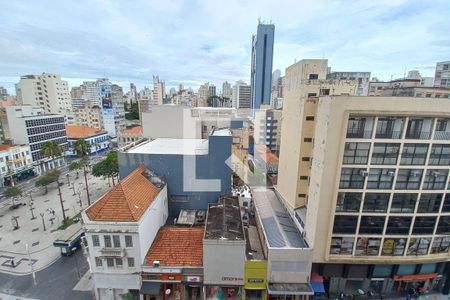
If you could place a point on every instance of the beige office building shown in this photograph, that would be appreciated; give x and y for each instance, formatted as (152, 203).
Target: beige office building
(367, 181)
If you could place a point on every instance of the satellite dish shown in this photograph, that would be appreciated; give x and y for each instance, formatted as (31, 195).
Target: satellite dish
(168, 291)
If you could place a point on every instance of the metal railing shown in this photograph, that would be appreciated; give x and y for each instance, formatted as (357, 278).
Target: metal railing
(360, 134)
(388, 135)
(423, 135)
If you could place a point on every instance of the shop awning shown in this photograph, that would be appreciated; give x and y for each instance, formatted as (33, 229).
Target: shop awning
(150, 288)
(317, 286)
(415, 277)
(289, 289)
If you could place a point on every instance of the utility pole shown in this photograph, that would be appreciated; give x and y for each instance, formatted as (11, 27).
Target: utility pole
(31, 264)
(32, 208)
(79, 198)
(73, 188)
(43, 222)
(61, 201)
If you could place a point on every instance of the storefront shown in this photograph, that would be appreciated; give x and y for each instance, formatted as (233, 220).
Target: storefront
(289, 291)
(255, 279)
(223, 292)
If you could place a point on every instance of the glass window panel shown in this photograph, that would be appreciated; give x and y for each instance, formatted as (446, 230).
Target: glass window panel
(385, 153)
(348, 201)
(393, 247)
(446, 205)
(440, 155)
(435, 179)
(414, 154)
(345, 224)
(376, 202)
(406, 269)
(372, 224)
(342, 245)
(408, 179)
(424, 225)
(356, 153)
(382, 270)
(380, 178)
(429, 203)
(444, 225)
(367, 246)
(418, 246)
(403, 203)
(440, 245)
(398, 225)
(352, 178)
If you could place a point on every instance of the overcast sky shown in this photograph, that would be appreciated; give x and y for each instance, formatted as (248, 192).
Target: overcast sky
(191, 42)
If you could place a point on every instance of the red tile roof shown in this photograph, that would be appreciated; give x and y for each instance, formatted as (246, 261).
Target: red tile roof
(177, 246)
(81, 132)
(126, 201)
(266, 154)
(132, 131)
(5, 147)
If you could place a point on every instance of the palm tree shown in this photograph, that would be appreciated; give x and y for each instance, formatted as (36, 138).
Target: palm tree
(53, 150)
(83, 149)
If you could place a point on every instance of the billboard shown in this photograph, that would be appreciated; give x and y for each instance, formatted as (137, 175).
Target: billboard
(106, 96)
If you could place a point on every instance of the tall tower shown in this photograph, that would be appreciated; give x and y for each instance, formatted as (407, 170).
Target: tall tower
(262, 58)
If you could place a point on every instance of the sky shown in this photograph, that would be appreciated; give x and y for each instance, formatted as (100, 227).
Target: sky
(192, 42)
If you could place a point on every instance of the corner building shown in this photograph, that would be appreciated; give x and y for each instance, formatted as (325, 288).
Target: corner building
(375, 190)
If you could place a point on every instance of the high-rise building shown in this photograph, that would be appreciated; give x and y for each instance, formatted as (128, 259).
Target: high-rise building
(48, 91)
(3, 93)
(267, 128)
(261, 68)
(158, 92)
(442, 74)
(227, 90)
(376, 203)
(203, 94)
(212, 90)
(241, 95)
(32, 126)
(363, 79)
(133, 93)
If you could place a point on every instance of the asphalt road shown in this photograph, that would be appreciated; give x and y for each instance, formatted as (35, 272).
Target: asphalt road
(53, 283)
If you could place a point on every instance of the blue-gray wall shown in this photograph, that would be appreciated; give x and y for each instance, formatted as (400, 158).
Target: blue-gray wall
(261, 71)
(170, 167)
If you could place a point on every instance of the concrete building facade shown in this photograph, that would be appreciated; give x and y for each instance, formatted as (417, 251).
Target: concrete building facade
(363, 79)
(241, 95)
(442, 74)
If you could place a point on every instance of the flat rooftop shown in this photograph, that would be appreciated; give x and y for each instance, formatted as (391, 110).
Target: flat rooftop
(172, 146)
(278, 227)
(253, 247)
(221, 132)
(224, 220)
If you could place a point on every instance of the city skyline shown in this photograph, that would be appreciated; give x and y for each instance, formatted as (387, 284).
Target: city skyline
(131, 43)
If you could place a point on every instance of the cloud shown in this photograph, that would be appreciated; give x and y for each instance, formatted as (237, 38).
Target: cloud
(190, 42)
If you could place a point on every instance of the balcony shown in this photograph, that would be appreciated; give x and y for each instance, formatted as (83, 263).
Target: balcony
(359, 134)
(423, 135)
(388, 135)
(113, 252)
(442, 135)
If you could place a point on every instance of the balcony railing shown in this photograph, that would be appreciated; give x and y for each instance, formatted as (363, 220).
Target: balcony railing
(442, 135)
(388, 135)
(361, 134)
(112, 252)
(424, 135)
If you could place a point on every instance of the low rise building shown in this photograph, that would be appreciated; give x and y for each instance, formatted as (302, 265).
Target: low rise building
(376, 88)
(97, 138)
(173, 267)
(120, 228)
(362, 78)
(130, 135)
(417, 91)
(15, 163)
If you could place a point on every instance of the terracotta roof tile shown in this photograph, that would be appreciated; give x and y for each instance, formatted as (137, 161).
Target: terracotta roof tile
(80, 131)
(126, 201)
(177, 246)
(132, 131)
(5, 147)
(266, 154)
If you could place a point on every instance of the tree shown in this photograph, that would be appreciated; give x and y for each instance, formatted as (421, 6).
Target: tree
(83, 149)
(75, 166)
(48, 178)
(133, 113)
(52, 149)
(108, 167)
(12, 192)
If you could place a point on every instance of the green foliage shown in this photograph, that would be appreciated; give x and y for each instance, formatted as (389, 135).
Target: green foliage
(11, 192)
(47, 178)
(75, 166)
(108, 167)
(128, 296)
(133, 113)
(69, 222)
(82, 148)
(51, 149)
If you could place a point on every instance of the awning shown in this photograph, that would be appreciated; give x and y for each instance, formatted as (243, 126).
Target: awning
(289, 289)
(415, 277)
(317, 286)
(150, 288)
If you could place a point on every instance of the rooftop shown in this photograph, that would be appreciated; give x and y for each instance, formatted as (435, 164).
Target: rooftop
(266, 154)
(253, 246)
(177, 246)
(224, 220)
(132, 131)
(5, 147)
(221, 132)
(172, 146)
(81, 132)
(127, 201)
(279, 229)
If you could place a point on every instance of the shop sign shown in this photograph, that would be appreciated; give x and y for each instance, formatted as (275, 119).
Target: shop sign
(193, 278)
(255, 280)
(229, 278)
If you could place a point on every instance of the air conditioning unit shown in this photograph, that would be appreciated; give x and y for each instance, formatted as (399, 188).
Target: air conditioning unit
(415, 174)
(364, 173)
(436, 173)
(391, 173)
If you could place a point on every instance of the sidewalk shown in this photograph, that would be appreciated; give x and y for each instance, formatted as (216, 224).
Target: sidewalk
(31, 231)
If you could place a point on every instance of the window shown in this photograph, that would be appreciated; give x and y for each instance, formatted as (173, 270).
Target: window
(393, 247)
(440, 155)
(95, 241)
(313, 76)
(418, 246)
(345, 224)
(385, 153)
(444, 225)
(414, 154)
(107, 239)
(305, 159)
(348, 201)
(376, 202)
(356, 153)
(398, 225)
(424, 225)
(380, 178)
(429, 203)
(442, 129)
(324, 92)
(446, 205)
(307, 140)
(98, 262)
(440, 245)
(352, 178)
(312, 95)
(116, 241)
(389, 128)
(435, 179)
(372, 224)
(128, 241)
(408, 179)
(119, 262)
(110, 262)
(303, 177)
(356, 128)
(415, 129)
(309, 118)
(130, 262)
(367, 246)
(403, 203)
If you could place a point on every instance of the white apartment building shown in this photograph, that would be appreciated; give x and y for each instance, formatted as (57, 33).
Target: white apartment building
(442, 74)
(203, 94)
(97, 138)
(30, 125)
(241, 95)
(15, 160)
(158, 92)
(88, 115)
(47, 91)
(267, 128)
(227, 90)
(120, 228)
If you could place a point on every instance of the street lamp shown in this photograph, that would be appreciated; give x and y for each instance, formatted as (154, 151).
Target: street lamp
(68, 180)
(14, 222)
(73, 188)
(42, 217)
(79, 198)
(76, 262)
(31, 264)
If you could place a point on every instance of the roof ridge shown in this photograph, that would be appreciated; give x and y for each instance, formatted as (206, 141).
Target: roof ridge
(126, 200)
(98, 202)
